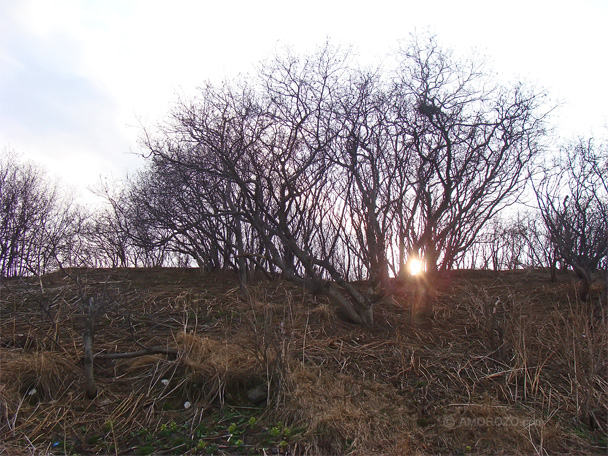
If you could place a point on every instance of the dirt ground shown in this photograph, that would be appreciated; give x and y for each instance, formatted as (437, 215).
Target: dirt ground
(509, 363)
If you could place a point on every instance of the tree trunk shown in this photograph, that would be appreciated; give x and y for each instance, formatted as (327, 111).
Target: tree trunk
(402, 271)
(359, 314)
(241, 260)
(240, 250)
(585, 281)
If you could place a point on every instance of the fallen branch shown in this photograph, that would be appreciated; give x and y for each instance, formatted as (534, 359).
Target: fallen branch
(157, 349)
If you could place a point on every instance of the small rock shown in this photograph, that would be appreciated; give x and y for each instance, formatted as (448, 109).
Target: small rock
(258, 395)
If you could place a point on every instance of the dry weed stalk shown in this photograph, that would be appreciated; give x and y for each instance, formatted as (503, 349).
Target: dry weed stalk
(26, 381)
(555, 355)
(268, 322)
(514, 334)
(88, 338)
(487, 311)
(582, 338)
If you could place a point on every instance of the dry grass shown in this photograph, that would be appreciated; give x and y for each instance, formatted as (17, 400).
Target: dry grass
(206, 370)
(46, 372)
(344, 414)
(510, 364)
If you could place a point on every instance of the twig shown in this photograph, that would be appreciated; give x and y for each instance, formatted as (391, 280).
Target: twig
(145, 351)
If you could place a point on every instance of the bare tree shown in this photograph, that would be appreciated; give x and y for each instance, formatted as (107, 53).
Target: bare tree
(372, 158)
(573, 198)
(322, 171)
(264, 149)
(512, 240)
(472, 142)
(35, 219)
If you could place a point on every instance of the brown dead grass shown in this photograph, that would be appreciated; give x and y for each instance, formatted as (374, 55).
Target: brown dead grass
(342, 413)
(216, 366)
(511, 363)
(209, 357)
(46, 371)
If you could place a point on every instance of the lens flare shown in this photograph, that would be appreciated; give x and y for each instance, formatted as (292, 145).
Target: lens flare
(415, 266)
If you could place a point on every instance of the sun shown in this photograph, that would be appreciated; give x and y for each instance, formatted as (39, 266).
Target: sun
(415, 266)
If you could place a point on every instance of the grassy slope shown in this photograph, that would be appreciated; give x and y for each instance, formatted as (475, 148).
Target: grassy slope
(509, 364)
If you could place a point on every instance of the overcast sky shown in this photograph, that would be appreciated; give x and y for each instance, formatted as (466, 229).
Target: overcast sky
(78, 78)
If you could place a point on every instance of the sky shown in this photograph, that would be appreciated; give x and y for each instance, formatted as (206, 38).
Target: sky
(80, 78)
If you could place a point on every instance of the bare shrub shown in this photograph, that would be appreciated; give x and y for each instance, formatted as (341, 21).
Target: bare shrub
(36, 220)
(572, 196)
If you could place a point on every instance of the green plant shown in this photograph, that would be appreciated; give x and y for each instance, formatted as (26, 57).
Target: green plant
(201, 431)
(167, 430)
(145, 450)
(178, 442)
(107, 426)
(279, 435)
(142, 433)
(275, 431)
(422, 422)
(93, 439)
(211, 449)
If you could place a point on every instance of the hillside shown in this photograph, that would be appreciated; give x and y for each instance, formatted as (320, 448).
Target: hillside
(510, 363)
